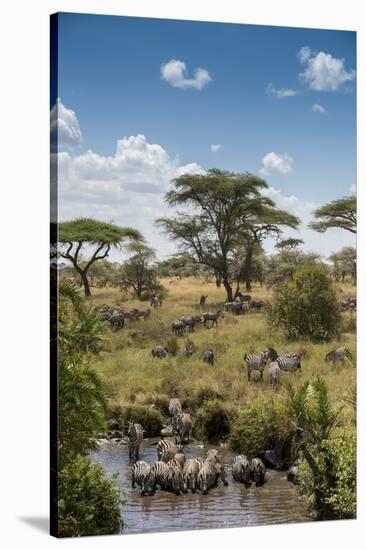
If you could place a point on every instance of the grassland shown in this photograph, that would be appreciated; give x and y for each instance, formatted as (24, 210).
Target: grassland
(131, 375)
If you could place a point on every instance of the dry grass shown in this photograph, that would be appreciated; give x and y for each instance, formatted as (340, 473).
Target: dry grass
(132, 375)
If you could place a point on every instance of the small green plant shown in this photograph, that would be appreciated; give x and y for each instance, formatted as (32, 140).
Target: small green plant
(213, 421)
(150, 418)
(306, 307)
(89, 502)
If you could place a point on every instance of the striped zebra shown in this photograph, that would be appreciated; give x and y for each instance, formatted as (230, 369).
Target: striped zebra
(339, 355)
(242, 470)
(274, 372)
(190, 472)
(213, 455)
(168, 475)
(258, 472)
(209, 474)
(182, 424)
(256, 362)
(175, 406)
(135, 434)
(290, 361)
(140, 474)
(167, 449)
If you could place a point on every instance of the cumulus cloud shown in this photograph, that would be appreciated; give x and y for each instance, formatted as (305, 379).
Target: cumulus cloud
(323, 72)
(215, 147)
(318, 108)
(175, 73)
(64, 127)
(280, 93)
(276, 164)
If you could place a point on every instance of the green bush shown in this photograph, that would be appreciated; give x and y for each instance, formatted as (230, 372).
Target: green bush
(151, 419)
(172, 345)
(306, 307)
(213, 420)
(259, 425)
(206, 393)
(89, 502)
(161, 402)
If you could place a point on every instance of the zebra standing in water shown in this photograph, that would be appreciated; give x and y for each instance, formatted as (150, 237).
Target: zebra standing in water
(290, 361)
(168, 475)
(182, 424)
(340, 354)
(140, 474)
(167, 449)
(190, 472)
(135, 434)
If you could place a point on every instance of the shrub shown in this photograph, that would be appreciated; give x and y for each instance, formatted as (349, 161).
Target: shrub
(213, 421)
(259, 425)
(306, 307)
(89, 502)
(172, 345)
(151, 419)
(160, 401)
(206, 393)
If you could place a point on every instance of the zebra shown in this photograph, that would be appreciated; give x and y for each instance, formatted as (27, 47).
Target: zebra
(140, 474)
(188, 349)
(210, 316)
(209, 474)
(213, 455)
(135, 434)
(274, 372)
(208, 357)
(256, 362)
(156, 301)
(160, 352)
(175, 406)
(167, 449)
(242, 470)
(340, 354)
(168, 475)
(178, 327)
(258, 471)
(190, 472)
(182, 424)
(290, 361)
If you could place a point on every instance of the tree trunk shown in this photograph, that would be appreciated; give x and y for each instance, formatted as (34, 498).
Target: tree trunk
(229, 290)
(86, 285)
(248, 269)
(218, 280)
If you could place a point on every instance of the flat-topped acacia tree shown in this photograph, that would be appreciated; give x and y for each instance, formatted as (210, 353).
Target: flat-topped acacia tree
(341, 213)
(73, 235)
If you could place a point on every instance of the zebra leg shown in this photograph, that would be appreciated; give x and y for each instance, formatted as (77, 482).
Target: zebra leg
(248, 375)
(133, 481)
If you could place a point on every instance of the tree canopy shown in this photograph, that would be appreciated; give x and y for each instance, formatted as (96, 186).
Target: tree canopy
(341, 213)
(222, 209)
(103, 236)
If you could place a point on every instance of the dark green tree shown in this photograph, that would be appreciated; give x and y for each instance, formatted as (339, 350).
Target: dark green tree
(139, 272)
(96, 235)
(341, 213)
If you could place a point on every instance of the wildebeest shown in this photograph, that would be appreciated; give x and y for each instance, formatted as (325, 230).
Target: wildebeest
(211, 316)
(190, 322)
(160, 352)
(178, 327)
(135, 434)
(256, 362)
(156, 301)
(182, 424)
(340, 355)
(117, 319)
(208, 357)
(258, 471)
(274, 372)
(242, 470)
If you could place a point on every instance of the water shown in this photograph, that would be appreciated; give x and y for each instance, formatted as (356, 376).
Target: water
(232, 506)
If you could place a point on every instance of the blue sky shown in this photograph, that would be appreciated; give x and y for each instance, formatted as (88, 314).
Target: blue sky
(110, 77)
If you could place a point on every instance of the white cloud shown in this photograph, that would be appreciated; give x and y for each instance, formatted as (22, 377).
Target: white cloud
(272, 163)
(318, 108)
(175, 73)
(215, 147)
(280, 93)
(323, 72)
(64, 127)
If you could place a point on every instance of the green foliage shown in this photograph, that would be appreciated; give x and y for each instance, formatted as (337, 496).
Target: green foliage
(212, 420)
(282, 267)
(172, 345)
(150, 418)
(206, 393)
(340, 213)
(89, 502)
(306, 307)
(94, 232)
(259, 425)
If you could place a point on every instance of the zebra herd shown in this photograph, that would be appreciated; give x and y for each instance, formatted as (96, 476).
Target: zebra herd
(117, 316)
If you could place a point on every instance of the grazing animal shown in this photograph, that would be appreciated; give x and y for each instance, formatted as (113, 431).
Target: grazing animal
(242, 470)
(290, 361)
(203, 300)
(256, 362)
(227, 305)
(117, 319)
(182, 425)
(244, 297)
(140, 474)
(160, 352)
(175, 406)
(156, 301)
(188, 349)
(208, 357)
(167, 449)
(237, 308)
(135, 435)
(190, 472)
(339, 355)
(208, 475)
(274, 372)
(191, 322)
(210, 316)
(178, 327)
(258, 471)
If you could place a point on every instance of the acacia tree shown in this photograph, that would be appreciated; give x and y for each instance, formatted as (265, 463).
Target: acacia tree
(138, 272)
(341, 213)
(344, 263)
(75, 235)
(223, 207)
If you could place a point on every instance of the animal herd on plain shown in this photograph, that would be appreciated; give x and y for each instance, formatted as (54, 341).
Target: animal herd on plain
(176, 473)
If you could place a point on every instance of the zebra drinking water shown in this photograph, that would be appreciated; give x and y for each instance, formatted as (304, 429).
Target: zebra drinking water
(242, 470)
(140, 474)
(167, 449)
(135, 434)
